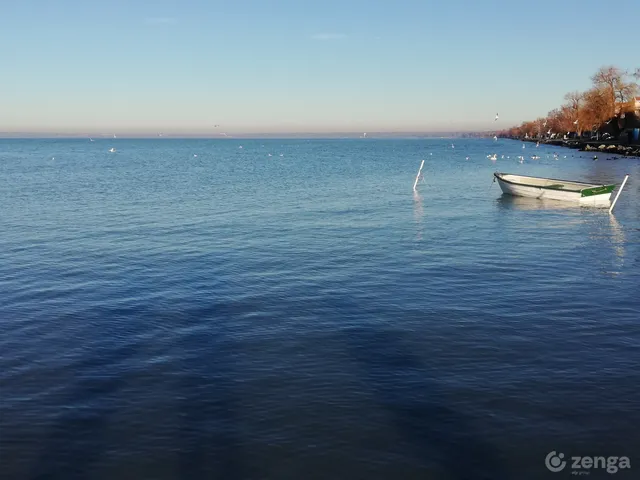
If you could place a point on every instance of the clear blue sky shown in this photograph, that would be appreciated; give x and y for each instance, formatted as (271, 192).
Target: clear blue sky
(296, 65)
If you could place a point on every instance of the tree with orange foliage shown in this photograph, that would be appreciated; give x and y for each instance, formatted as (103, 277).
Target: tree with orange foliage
(597, 108)
(613, 82)
(559, 121)
(613, 92)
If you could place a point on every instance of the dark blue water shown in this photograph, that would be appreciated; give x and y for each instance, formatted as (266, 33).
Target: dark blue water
(238, 315)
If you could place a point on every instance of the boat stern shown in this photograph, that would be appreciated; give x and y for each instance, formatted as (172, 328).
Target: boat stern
(597, 196)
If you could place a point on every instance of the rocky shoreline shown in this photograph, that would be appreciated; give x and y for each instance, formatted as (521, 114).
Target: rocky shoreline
(590, 146)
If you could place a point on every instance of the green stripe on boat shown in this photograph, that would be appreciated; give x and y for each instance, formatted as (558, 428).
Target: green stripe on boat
(588, 192)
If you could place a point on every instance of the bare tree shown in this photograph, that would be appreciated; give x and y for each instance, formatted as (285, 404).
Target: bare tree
(574, 102)
(614, 83)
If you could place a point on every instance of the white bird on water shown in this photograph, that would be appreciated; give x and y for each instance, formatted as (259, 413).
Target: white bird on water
(112, 150)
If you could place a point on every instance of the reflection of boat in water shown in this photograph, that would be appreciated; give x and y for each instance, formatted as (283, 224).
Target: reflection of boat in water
(595, 195)
(527, 203)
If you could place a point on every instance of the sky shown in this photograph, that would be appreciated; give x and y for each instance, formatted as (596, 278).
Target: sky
(185, 66)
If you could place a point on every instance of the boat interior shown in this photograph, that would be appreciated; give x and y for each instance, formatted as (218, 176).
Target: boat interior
(545, 182)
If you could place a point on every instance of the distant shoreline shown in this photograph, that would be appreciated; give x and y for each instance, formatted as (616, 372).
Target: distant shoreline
(231, 136)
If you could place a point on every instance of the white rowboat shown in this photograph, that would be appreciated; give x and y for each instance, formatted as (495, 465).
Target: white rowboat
(587, 194)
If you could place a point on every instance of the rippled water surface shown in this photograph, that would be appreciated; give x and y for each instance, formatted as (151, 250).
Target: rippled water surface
(291, 309)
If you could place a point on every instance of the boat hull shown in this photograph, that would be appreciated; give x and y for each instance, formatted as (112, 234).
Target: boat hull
(602, 200)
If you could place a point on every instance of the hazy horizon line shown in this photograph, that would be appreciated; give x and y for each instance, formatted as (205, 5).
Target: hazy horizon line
(310, 134)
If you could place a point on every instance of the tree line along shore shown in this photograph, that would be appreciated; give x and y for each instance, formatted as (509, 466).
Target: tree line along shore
(604, 118)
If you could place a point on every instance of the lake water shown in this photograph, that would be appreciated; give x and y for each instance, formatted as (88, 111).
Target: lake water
(194, 309)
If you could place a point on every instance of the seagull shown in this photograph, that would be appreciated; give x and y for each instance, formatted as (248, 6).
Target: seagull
(269, 155)
(576, 122)
(467, 158)
(453, 146)
(282, 155)
(495, 138)
(90, 139)
(496, 119)
(240, 146)
(112, 149)
(194, 155)
(364, 135)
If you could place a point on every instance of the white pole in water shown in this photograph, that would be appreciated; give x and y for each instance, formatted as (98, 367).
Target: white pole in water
(418, 176)
(619, 191)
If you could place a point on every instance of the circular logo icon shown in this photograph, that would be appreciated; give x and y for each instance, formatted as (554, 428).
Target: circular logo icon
(554, 461)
